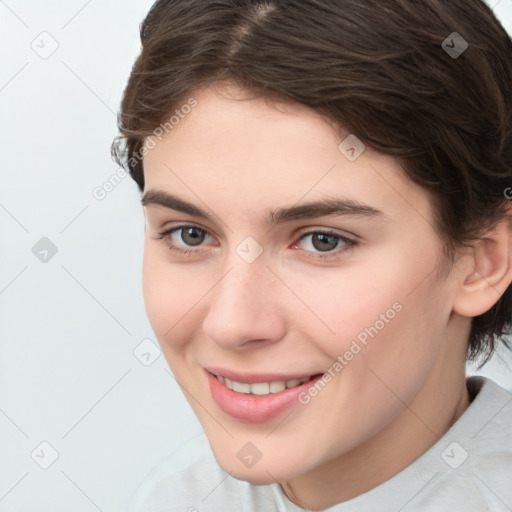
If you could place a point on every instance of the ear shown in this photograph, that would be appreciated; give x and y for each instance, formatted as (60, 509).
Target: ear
(488, 273)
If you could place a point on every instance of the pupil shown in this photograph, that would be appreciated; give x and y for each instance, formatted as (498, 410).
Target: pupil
(324, 238)
(195, 238)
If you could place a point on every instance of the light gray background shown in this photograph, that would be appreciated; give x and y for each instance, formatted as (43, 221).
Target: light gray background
(71, 326)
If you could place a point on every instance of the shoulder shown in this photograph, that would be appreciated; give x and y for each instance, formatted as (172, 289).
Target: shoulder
(184, 479)
(489, 416)
(476, 454)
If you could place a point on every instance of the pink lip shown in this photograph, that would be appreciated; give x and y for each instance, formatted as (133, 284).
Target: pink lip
(255, 408)
(252, 378)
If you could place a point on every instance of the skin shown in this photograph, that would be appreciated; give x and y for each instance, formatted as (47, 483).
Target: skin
(290, 312)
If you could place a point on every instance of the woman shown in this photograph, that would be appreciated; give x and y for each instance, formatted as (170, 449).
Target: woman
(328, 239)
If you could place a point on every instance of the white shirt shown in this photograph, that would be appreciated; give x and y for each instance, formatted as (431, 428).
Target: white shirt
(469, 469)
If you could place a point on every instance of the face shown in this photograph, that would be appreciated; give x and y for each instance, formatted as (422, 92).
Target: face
(312, 318)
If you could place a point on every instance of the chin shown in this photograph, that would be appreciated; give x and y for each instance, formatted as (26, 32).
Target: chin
(259, 478)
(264, 472)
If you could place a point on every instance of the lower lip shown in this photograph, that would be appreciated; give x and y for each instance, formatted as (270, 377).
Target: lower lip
(255, 408)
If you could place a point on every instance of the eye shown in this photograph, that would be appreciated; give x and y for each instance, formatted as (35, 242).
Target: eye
(326, 242)
(191, 235)
(183, 240)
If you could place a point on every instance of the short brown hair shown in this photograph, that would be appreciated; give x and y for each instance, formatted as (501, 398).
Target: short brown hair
(378, 69)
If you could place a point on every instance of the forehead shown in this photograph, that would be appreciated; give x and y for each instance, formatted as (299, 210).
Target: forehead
(249, 153)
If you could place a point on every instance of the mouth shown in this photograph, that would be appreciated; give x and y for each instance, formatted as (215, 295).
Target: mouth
(263, 388)
(257, 398)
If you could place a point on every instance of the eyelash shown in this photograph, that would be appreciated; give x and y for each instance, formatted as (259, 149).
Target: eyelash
(349, 244)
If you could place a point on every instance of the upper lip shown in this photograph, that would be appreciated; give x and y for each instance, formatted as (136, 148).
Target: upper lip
(252, 378)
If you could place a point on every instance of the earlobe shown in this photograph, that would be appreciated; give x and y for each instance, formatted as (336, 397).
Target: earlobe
(489, 273)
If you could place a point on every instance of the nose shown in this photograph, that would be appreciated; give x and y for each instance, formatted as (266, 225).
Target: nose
(244, 307)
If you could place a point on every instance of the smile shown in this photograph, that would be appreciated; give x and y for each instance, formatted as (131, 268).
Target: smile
(262, 388)
(264, 398)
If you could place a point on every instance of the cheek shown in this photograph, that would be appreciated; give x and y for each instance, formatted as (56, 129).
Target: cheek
(397, 356)
(170, 293)
(353, 302)
(384, 312)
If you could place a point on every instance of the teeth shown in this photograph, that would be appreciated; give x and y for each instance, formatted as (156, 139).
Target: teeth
(276, 387)
(292, 383)
(241, 387)
(261, 388)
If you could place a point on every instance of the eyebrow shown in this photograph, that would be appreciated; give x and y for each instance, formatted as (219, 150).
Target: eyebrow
(311, 210)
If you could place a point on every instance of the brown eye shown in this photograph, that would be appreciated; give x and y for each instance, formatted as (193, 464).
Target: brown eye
(325, 242)
(191, 235)
(183, 239)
